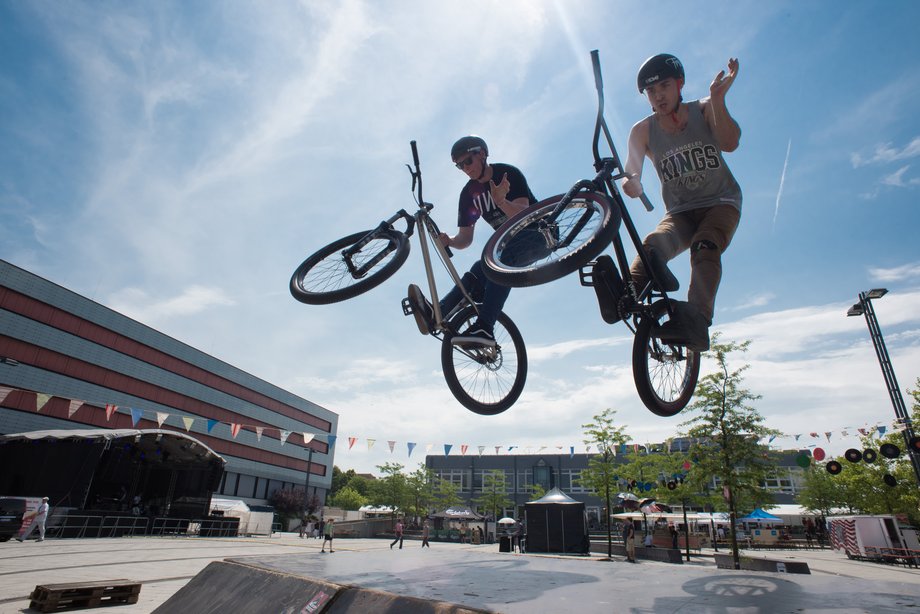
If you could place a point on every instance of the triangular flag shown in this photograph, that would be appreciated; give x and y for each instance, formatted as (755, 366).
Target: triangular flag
(828, 435)
(136, 415)
(307, 438)
(331, 440)
(211, 424)
(463, 448)
(481, 450)
(41, 399)
(571, 451)
(411, 447)
(370, 443)
(861, 431)
(772, 437)
(161, 418)
(881, 429)
(109, 410)
(588, 450)
(3, 392)
(797, 436)
(234, 429)
(187, 422)
(283, 435)
(497, 448)
(447, 447)
(259, 430)
(74, 406)
(351, 442)
(392, 444)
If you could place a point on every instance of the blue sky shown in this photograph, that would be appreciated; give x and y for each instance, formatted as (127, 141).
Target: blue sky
(175, 161)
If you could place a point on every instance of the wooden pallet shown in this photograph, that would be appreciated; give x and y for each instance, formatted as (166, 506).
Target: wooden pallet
(54, 597)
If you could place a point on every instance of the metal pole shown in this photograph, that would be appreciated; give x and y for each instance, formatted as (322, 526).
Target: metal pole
(306, 485)
(894, 392)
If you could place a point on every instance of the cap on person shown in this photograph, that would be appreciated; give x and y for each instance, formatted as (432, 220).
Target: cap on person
(658, 68)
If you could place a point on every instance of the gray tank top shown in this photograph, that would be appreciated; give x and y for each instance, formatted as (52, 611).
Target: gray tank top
(690, 166)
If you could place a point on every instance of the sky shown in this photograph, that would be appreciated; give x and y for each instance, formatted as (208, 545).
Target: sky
(176, 161)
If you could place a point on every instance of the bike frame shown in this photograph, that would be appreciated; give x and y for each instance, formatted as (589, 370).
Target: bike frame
(609, 170)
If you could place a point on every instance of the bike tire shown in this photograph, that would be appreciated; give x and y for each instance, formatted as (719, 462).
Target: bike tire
(516, 255)
(665, 375)
(486, 382)
(324, 277)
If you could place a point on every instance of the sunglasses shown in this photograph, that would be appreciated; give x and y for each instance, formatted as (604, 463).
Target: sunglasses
(462, 164)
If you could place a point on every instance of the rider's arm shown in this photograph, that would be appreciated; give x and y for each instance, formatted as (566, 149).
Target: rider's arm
(723, 126)
(513, 207)
(461, 240)
(635, 158)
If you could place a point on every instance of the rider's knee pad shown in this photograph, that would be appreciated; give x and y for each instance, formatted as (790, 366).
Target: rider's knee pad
(704, 250)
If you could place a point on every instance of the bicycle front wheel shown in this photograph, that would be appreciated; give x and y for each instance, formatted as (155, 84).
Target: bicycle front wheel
(487, 381)
(537, 246)
(665, 375)
(334, 274)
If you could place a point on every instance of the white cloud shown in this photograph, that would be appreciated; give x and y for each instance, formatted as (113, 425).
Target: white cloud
(901, 273)
(140, 305)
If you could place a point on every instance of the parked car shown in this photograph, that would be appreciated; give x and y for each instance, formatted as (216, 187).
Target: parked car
(12, 510)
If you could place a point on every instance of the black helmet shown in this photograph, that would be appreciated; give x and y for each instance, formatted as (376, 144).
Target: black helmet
(658, 68)
(467, 144)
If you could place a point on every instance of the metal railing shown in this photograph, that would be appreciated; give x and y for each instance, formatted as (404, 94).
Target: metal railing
(77, 526)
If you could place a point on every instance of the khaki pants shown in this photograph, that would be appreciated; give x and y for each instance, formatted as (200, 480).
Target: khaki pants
(676, 233)
(631, 547)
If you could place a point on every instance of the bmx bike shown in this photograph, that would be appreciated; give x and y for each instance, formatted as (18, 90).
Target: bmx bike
(575, 228)
(486, 380)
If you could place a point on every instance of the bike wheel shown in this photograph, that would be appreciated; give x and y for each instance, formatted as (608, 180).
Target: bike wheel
(520, 254)
(665, 375)
(487, 381)
(325, 277)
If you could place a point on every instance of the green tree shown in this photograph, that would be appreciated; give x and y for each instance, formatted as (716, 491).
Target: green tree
(421, 487)
(339, 479)
(493, 496)
(729, 431)
(391, 489)
(821, 491)
(348, 499)
(446, 494)
(601, 474)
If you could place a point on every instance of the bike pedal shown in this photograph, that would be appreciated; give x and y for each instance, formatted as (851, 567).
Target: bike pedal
(608, 287)
(586, 274)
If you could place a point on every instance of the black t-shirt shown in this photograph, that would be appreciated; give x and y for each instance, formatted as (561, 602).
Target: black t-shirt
(476, 199)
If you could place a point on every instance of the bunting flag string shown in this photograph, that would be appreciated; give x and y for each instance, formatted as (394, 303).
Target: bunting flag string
(137, 414)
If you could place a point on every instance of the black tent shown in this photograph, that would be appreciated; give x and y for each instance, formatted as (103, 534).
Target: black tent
(556, 523)
(102, 469)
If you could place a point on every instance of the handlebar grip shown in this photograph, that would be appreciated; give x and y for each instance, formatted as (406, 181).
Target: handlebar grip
(596, 63)
(414, 153)
(646, 202)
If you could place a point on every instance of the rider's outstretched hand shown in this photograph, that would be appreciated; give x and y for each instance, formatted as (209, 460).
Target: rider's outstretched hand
(721, 84)
(500, 191)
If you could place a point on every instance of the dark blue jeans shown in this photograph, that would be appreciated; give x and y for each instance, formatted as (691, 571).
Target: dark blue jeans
(489, 294)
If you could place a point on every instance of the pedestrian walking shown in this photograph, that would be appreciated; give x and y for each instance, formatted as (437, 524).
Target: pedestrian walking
(426, 530)
(38, 522)
(328, 534)
(399, 535)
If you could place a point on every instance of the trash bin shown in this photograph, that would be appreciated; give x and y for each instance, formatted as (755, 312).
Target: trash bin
(504, 544)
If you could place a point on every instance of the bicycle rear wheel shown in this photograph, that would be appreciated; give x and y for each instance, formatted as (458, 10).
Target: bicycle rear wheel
(665, 375)
(487, 381)
(535, 247)
(325, 277)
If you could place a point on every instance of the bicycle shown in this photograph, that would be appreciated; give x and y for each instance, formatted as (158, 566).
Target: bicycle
(575, 228)
(485, 380)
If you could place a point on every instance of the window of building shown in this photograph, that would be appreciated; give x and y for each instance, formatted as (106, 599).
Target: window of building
(458, 477)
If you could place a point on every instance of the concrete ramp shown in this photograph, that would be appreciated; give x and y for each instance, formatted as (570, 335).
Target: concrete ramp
(226, 586)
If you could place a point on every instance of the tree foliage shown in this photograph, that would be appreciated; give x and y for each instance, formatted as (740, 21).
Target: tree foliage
(348, 498)
(727, 431)
(493, 498)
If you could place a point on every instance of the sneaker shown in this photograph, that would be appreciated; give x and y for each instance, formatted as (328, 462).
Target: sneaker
(689, 327)
(475, 335)
(663, 275)
(421, 309)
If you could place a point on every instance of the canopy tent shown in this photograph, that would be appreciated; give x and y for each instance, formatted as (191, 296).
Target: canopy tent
(169, 471)
(556, 523)
(759, 515)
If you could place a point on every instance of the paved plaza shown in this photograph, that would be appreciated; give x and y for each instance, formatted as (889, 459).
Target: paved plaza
(476, 576)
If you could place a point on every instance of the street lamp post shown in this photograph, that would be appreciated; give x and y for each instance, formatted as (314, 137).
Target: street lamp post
(864, 308)
(306, 485)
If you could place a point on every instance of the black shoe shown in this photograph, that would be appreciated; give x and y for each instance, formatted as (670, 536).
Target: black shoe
(421, 309)
(475, 335)
(663, 275)
(689, 327)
